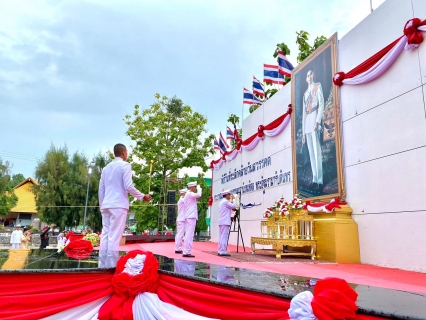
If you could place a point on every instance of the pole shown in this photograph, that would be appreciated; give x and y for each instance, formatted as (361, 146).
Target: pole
(89, 172)
(150, 176)
(371, 5)
(87, 199)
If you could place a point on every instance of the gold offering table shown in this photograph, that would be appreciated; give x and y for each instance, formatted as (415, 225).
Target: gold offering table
(331, 236)
(294, 230)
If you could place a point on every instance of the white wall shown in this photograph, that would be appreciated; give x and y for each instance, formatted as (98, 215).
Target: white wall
(384, 137)
(384, 146)
(278, 148)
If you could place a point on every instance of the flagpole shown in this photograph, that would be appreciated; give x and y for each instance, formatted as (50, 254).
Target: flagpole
(242, 110)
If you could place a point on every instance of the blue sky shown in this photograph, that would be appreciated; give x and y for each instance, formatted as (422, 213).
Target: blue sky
(71, 70)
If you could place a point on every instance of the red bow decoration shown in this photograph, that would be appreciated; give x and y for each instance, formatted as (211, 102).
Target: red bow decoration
(410, 30)
(333, 205)
(338, 78)
(79, 249)
(126, 287)
(210, 201)
(334, 299)
(260, 131)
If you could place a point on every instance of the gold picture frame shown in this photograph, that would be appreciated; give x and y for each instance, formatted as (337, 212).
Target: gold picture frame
(315, 124)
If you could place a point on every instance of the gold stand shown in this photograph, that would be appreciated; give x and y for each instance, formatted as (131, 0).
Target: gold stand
(336, 235)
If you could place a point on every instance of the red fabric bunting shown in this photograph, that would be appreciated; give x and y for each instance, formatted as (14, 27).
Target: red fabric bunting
(56, 292)
(274, 124)
(367, 64)
(38, 295)
(414, 37)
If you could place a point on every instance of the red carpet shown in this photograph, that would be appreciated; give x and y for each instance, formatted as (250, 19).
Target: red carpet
(352, 273)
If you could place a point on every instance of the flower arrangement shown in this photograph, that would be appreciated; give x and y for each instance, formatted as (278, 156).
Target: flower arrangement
(296, 203)
(284, 207)
(269, 212)
(93, 238)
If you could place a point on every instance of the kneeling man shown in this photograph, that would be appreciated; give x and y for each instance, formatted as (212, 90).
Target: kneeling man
(226, 206)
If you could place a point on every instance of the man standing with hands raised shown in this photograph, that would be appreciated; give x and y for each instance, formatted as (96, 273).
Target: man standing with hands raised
(180, 222)
(191, 216)
(115, 185)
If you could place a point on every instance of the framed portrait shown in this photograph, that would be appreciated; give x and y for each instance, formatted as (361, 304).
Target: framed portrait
(316, 138)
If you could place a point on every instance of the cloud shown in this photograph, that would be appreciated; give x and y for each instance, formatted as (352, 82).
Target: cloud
(71, 70)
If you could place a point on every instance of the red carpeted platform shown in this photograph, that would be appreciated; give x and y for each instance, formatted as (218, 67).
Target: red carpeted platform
(352, 273)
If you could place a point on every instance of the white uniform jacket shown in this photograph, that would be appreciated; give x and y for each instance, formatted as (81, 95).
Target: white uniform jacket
(225, 211)
(15, 237)
(181, 210)
(190, 201)
(115, 185)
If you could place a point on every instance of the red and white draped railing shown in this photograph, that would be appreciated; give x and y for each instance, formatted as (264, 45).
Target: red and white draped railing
(272, 129)
(325, 207)
(376, 65)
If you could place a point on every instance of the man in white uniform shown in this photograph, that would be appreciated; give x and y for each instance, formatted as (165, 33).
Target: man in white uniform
(115, 185)
(15, 237)
(225, 211)
(191, 216)
(180, 222)
(313, 109)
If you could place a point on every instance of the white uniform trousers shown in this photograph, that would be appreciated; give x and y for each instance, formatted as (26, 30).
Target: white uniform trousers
(189, 234)
(113, 224)
(315, 155)
(180, 231)
(223, 239)
(15, 245)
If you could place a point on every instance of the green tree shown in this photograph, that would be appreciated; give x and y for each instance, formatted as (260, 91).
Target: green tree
(16, 179)
(8, 198)
(235, 121)
(61, 193)
(52, 174)
(202, 205)
(305, 49)
(171, 134)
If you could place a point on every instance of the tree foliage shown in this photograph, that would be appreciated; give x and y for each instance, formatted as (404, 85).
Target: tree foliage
(305, 49)
(8, 198)
(172, 135)
(61, 193)
(202, 205)
(16, 179)
(235, 121)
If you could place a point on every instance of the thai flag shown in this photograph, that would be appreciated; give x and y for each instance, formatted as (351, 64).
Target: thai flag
(229, 134)
(284, 66)
(258, 87)
(271, 74)
(236, 132)
(223, 145)
(249, 98)
(216, 144)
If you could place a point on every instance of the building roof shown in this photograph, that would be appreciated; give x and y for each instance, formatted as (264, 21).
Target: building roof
(26, 198)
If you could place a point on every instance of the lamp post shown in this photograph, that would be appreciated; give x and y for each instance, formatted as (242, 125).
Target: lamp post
(89, 171)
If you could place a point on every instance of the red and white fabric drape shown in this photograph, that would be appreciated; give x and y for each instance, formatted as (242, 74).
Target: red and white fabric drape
(323, 207)
(375, 66)
(270, 130)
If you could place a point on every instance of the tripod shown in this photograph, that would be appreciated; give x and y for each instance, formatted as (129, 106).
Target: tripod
(236, 227)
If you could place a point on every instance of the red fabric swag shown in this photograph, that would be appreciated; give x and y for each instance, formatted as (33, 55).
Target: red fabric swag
(35, 296)
(216, 301)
